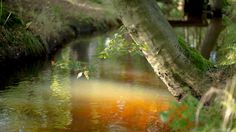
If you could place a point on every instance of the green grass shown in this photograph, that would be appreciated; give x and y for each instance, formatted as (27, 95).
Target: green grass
(14, 37)
(8, 19)
(21, 40)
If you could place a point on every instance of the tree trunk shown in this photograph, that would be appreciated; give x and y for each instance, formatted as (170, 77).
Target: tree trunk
(213, 30)
(211, 37)
(149, 28)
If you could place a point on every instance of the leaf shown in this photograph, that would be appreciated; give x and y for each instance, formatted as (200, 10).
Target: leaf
(164, 116)
(79, 75)
(178, 124)
(28, 24)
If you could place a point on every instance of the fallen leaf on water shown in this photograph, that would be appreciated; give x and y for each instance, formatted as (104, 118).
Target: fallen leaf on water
(86, 74)
(79, 75)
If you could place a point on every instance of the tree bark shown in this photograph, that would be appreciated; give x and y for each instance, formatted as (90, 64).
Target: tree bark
(211, 37)
(214, 30)
(149, 28)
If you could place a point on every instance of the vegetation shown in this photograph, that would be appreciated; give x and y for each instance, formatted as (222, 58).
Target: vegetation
(227, 46)
(36, 29)
(181, 116)
(195, 115)
(119, 45)
(195, 56)
(15, 39)
(188, 76)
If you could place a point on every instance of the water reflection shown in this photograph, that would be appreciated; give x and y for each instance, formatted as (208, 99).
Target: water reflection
(123, 95)
(111, 106)
(39, 102)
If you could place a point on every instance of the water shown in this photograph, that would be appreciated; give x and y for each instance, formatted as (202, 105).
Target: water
(121, 95)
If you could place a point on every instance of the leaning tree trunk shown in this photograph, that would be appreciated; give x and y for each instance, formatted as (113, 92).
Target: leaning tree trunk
(149, 28)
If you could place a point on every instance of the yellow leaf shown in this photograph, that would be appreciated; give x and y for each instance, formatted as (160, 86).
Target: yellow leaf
(28, 24)
(86, 74)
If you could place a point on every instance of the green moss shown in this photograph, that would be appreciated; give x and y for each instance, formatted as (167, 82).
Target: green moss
(195, 57)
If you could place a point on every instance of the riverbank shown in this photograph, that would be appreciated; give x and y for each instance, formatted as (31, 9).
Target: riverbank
(38, 29)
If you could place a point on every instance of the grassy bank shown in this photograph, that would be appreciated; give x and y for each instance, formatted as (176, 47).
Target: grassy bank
(38, 28)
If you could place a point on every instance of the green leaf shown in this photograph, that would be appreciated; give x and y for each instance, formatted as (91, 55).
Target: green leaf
(164, 116)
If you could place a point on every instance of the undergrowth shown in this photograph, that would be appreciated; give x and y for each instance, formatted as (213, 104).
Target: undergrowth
(227, 46)
(227, 42)
(46, 23)
(216, 111)
(15, 39)
(7, 18)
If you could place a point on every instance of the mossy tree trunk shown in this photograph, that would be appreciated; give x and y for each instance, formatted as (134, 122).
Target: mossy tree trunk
(149, 28)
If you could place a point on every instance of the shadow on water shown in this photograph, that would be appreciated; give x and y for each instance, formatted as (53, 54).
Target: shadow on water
(12, 72)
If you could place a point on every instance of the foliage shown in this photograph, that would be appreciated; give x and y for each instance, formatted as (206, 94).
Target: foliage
(21, 39)
(228, 7)
(227, 46)
(120, 45)
(194, 56)
(64, 64)
(215, 111)
(180, 116)
(172, 9)
(73, 65)
(32, 44)
(15, 39)
(46, 23)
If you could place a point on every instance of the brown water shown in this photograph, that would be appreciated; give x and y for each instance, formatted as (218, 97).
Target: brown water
(122, 95)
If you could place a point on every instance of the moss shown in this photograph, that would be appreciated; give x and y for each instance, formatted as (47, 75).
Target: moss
(195, 57)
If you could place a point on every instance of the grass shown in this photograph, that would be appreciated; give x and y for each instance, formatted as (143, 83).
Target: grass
(46, 23)
(15, 39)
(20, 40)
(7, 18)
(47, 18)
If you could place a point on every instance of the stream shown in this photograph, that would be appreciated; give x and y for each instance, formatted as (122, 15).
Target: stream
(77, 91)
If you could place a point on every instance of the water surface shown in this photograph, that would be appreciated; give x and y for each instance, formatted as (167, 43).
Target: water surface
(121, 95)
